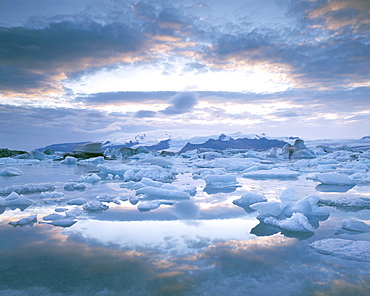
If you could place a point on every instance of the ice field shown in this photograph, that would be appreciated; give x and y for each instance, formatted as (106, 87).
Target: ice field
(202, 222)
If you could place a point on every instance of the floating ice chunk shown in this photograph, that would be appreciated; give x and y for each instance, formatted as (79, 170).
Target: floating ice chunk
(307, 206)
(148, 206)
(156, 174)
(15, 199)
(160, 193)
(220, 181)
(275, 173)
(91, 178)
(27, 189)
(71, 186)
(248, 199)
(355, 225)
(157, 161)
(106, 169)
(70, 160)
(38, 155)
(9, 171)
(25, 221)
(95, 206)
(334, 179)
(267, 209)
(343, 248)
(77, 201)
(297, 222)
(91, 161)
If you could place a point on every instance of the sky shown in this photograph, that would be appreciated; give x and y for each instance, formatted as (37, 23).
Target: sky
(74, 71)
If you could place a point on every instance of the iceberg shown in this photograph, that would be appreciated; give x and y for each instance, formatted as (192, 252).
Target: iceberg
(267, 209)
(343, 248)
(155, 173)
(297, 222)
(90, 178)
(307, 206)
(69, 160)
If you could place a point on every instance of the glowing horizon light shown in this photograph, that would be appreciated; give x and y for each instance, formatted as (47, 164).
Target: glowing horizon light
(158, 79)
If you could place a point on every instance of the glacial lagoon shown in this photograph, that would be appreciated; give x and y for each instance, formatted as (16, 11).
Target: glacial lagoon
(193, 241)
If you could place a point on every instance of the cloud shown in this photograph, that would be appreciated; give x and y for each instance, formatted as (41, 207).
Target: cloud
(145, 114)
(181, 103)
(125, 97)
(32, 56)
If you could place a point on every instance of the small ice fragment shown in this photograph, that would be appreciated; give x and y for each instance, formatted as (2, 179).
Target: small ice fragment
(148, 206)
(53, 217)
(76, 201)
(95, 206)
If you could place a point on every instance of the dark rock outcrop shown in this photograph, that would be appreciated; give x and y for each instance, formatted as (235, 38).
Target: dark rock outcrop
(242, 143)
(10, 153)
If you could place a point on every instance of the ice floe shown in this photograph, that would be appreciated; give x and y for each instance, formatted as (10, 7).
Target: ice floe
(220, 181)
(275, 173)
(355, 225)
(334, 179)
(343, 248)
(150, 192)
(27, 189)
(28, 221)
(10, 171)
